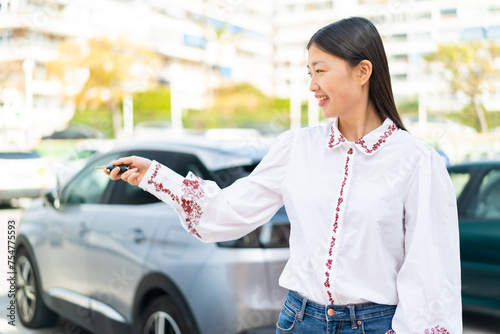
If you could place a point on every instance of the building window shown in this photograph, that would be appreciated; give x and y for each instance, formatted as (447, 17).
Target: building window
(422, 16)
(494, 32)
(449, 13)
(195, 41)
(473, 34)
(400, 77)
(398, 38)
(399, 58)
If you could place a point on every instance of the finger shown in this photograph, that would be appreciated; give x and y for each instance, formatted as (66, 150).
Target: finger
(135, 179)
(125, 176)
(124, 161)
(114, 174)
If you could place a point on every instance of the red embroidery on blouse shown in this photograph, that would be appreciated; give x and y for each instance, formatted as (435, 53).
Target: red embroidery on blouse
(381, 140)
(435, 330)
(331, 143)
(192, 192)
(336, 225)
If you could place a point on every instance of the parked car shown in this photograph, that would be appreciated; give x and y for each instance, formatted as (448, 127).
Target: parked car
(113, 259)
(477, 185)
(26, 175)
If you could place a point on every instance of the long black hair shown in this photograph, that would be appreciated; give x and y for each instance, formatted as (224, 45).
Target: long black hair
(355, 39)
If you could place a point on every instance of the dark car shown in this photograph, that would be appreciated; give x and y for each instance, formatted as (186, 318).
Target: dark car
(477, 185)
(113, 259)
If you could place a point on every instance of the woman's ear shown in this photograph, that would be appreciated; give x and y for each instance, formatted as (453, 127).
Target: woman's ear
(364, 70)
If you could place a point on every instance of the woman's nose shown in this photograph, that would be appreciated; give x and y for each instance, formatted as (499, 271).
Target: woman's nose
(313, 86)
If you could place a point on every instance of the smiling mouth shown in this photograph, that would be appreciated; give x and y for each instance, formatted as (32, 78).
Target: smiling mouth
(322, 100)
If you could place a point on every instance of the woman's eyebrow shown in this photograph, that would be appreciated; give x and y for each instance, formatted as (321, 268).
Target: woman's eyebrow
(316, 62)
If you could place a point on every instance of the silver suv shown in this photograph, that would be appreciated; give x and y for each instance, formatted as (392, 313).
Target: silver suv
(113, 259)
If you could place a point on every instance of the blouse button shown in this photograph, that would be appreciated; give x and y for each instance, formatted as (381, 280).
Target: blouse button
(331, 312)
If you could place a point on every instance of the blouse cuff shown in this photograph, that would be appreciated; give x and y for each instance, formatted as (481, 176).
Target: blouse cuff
(160, 181)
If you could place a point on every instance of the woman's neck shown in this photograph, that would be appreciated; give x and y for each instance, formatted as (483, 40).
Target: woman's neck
(356, 125)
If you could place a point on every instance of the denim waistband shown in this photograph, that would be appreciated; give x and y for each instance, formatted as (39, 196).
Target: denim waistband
(351, 312)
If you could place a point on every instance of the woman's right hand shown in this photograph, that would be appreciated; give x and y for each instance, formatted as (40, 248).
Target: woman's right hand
(138, 167)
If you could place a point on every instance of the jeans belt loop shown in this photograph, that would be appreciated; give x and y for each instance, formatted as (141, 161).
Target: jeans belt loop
(353, 316)
(303, 309)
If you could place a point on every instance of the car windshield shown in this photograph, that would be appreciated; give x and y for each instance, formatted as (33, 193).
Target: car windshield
(19, 155)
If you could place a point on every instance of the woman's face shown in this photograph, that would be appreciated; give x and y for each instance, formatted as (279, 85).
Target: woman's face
(334, 82)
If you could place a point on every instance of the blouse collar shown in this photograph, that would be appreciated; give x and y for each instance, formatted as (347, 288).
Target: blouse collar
(370, 143)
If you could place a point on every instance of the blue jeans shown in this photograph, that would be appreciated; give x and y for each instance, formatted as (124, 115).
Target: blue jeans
(300, 315)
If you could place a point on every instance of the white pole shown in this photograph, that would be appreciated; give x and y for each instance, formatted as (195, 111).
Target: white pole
(128, 116)
(295, 94)
(312, 110)
(28, 119)
(422, 112)
(176, 97)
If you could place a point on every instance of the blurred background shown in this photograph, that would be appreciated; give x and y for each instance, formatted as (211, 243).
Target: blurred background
(78, 77)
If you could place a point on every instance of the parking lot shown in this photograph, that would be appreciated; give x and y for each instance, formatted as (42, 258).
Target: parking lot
(473, 323)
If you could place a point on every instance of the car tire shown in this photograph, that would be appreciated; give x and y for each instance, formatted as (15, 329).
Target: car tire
(163, 316)
(30, 306)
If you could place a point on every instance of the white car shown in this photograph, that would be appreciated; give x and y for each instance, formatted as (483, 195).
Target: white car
(113, 259)
(26, 173)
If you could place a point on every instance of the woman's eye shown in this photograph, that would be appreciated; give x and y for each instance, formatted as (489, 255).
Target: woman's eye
(319, 71)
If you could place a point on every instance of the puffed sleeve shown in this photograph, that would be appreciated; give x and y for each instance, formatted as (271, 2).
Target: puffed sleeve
(428, 282)
(213, 214)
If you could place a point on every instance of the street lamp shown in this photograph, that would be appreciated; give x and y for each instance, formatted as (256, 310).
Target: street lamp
(28, 119)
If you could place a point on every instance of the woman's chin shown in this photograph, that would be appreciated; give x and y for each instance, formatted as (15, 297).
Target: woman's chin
(328, 113)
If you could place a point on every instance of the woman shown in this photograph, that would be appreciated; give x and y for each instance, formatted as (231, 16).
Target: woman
(374, 230)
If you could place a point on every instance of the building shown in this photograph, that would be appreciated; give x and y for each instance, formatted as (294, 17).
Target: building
(206, 43)
(409, 29)
(202, 43)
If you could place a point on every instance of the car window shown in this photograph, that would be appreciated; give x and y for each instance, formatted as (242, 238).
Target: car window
(125, 194)
(19, 155)
(485, 202)
(226, 177)
(89, 185)
(459, 180)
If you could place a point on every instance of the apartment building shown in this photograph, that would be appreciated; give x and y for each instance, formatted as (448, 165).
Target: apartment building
(203, 43)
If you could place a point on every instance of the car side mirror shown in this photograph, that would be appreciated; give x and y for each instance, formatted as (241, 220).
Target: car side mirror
(51, 198)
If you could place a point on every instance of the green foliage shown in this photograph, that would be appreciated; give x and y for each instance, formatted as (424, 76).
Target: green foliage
(100, 119)
(106, 69)
(408, 107)
(152, 105)
(469, 68)
(241, 105)
(468, 117)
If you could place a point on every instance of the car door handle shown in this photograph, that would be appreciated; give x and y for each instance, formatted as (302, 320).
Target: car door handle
(83, 229)
(138, 235)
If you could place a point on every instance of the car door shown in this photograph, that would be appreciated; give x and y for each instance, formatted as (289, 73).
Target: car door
(67, 277)
(122, 234)
(480, 238)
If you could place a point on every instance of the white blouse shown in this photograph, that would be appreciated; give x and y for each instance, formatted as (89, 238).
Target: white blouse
(371, 221)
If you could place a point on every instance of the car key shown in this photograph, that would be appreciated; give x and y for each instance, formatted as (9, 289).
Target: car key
(123, 168)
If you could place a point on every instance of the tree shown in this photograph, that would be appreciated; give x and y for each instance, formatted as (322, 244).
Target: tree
(470, 68)
(241, 105)
(106, 71)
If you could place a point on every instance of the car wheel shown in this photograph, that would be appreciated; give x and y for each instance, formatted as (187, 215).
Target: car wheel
(162, 316)
(30, 307)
